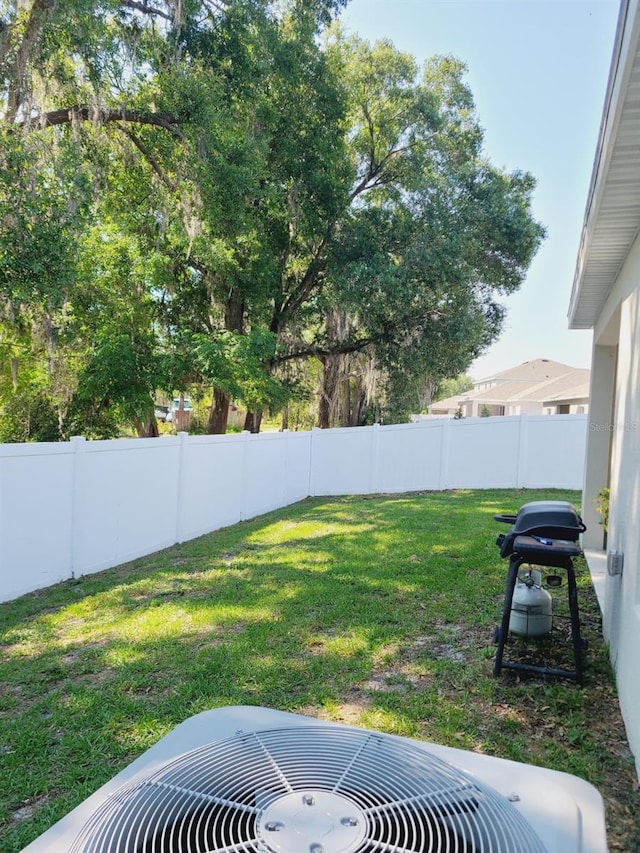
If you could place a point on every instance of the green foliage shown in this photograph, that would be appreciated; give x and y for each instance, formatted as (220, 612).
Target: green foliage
(118, 374)
(41, 210)
(199, 187)
(435, 232)
(453, 387)
(602, 506)
(28, 415)
(119, 361)
(237, 363)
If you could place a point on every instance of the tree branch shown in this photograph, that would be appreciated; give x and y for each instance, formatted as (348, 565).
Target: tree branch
(309, 280)
(17, 73)
(102, 115)
(217, 5)
(340, 349)
(301, 292)
(5, 40)
(149, 157)
(373, 167)
(374, 177)
(145, 9)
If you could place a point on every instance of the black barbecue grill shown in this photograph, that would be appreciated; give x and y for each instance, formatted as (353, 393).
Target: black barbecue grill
(545, 534)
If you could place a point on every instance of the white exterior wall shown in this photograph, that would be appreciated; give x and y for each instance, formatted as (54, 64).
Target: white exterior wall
(596, 477)
(608, 268)
(622, 593)
(72, 509)
(613, 458)
(528, 407)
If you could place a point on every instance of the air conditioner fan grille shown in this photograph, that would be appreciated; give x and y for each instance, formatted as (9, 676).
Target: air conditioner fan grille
(307, 789)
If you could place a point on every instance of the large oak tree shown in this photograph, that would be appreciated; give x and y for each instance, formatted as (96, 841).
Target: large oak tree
(199, 193)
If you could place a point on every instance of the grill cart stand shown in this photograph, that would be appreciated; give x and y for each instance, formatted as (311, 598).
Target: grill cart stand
(544, 534)
(558, 553)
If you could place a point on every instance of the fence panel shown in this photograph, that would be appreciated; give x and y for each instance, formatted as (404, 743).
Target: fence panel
(81, 507)
(554, 451)
(295, 486)
(210, 491)
(264, 473)
(341, 461)
(483, 453)
(409, 457)
(36, 487)
(125, 504)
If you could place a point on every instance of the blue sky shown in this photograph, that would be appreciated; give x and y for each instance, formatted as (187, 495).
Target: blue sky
(538, 71)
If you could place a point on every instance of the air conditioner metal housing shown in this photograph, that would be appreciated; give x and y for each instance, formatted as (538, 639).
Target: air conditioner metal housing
(565, 813)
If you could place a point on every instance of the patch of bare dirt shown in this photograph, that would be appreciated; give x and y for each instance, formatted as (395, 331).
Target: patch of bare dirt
(565, 722)
(28, 808)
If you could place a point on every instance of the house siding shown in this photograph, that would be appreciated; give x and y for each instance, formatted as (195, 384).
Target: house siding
(606, 297)
(613, 458)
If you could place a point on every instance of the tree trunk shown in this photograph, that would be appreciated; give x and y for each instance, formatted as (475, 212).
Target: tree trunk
(13, 362)
(285, 418)
(252, 421)
(328, 391)
(218, 413)
(233, 322)
(359, 406)
(234, 311)
(147, 428)
(38, 15)
(345, 395)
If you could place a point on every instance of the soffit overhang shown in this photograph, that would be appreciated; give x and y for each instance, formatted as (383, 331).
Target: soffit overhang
(612, 216)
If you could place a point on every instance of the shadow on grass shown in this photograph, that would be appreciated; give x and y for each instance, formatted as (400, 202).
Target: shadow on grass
(377, 612)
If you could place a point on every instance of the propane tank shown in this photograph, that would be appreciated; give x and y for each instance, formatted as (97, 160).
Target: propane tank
(531, 606)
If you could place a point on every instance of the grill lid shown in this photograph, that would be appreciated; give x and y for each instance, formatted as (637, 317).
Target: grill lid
(552, 519)
(550, 515)
(314, 788)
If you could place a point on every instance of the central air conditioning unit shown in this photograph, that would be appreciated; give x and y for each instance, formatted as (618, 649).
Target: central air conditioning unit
(255, 780)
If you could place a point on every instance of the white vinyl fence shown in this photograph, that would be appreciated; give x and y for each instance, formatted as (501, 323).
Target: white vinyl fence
(71, 509)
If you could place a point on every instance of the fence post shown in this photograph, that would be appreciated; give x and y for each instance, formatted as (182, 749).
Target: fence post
(285, 465)
(243, 474)
(181, 487)
(523, 437)
(312, 479)
(78, 445)
(374, 460)
(444, 453)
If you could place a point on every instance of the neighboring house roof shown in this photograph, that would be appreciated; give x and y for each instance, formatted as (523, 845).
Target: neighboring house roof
(535, 370)
(513, 390)
(448, 403)
(541, 380)
(612, 216)
(569, 388)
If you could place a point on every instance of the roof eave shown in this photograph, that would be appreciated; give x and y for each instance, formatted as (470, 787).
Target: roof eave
(595, 273)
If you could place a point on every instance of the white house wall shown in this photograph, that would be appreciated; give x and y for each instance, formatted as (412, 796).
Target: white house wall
(624, 285)
(613, 458)
(622, 593)
(606, 298)
(603, 372)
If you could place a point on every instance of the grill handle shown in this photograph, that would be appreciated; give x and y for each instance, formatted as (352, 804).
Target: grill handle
(505, 517)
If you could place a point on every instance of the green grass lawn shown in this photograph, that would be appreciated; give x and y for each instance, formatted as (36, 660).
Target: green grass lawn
(375, 611)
